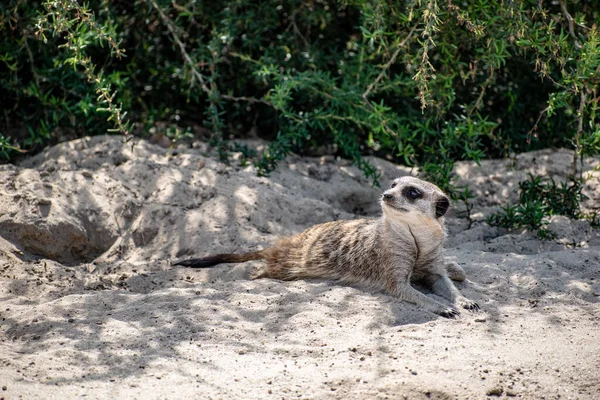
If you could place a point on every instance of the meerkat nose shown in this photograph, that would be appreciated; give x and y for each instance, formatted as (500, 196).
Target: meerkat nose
(387, 196)
(441, 206)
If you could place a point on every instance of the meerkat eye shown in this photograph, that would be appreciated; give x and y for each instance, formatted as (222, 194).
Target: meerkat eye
(393, 185)
(412, 193)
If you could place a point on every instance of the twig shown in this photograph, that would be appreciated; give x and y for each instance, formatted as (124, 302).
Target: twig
(563, 7)
(553, 81)
(388, 64)
(484, 86)
(383, 71)
(582, 98)
(246, 99)
(295, 27)
(167, 21)
(536, 123)
(196, 74)
(31, 63)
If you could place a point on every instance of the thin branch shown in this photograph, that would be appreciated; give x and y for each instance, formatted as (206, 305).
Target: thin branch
(388, 64)
(582, 98)
(554, 82)
(563, 7)
(167, 21)
(484, 86)
(188, 60)
(536, 123)
(383, 71)
(295, 27)
(31, 62)
(251, 100)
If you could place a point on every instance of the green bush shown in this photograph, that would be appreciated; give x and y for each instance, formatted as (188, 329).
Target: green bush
(539, 199)
(421, 82)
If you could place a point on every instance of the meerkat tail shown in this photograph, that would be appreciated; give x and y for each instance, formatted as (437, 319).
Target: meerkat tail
(210, 261)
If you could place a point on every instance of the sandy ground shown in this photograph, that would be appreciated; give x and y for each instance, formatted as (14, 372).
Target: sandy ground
(90, 306)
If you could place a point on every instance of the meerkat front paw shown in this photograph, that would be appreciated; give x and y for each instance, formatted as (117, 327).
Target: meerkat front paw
(468, 304)
(449, 312)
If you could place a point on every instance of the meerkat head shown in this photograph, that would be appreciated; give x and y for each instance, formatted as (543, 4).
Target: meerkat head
(412, 194)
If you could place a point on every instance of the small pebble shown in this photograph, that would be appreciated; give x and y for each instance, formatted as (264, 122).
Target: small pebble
(497, 391)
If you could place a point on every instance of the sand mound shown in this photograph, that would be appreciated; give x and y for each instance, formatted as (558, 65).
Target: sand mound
(89, 304)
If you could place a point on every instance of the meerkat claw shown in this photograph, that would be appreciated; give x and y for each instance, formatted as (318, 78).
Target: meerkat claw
(450, 313)
(470, 305)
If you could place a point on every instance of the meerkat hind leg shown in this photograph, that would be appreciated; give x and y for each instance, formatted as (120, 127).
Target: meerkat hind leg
(443, 286)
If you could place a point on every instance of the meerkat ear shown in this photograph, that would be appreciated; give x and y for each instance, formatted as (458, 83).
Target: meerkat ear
(441, 206)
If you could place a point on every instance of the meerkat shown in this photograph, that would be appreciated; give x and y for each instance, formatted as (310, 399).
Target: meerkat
(404, 245)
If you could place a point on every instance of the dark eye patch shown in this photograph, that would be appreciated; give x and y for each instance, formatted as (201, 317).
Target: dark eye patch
(412, 192)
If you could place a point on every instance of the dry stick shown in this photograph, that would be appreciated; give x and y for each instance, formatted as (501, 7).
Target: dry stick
(385, 68)
(536, 123)
(387, 65)
(167, 21)
(563, 7)
(582, 98)
(31, 62)
(582, 95)
(479, 100)
(244, 98)
(296, 30)
(196, 74)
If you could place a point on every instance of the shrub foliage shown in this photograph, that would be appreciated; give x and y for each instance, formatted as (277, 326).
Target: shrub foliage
(423, 82)
(539, 199)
